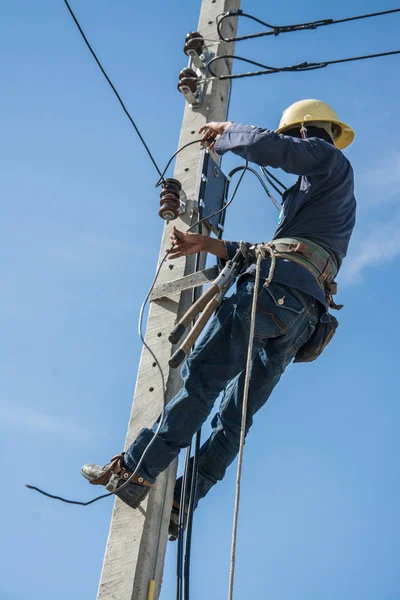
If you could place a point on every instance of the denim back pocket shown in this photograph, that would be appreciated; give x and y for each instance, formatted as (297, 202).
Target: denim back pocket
(278, 309)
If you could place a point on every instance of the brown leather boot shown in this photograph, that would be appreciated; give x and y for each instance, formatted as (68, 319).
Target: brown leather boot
(114, 475)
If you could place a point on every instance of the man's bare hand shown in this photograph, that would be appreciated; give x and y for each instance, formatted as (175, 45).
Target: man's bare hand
(186, 243)
(213, 131)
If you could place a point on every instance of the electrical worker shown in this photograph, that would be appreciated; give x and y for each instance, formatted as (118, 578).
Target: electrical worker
(315, 226)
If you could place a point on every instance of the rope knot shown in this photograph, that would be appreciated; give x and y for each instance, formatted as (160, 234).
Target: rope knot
(262, 252)
(244, 249)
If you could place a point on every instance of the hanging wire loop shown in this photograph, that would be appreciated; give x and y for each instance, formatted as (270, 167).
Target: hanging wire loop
(298, 68)
(278, 29)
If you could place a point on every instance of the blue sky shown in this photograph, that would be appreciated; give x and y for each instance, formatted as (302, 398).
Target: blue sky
(80, 239)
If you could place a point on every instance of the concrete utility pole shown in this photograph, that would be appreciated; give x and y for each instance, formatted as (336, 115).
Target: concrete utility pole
(135, 551)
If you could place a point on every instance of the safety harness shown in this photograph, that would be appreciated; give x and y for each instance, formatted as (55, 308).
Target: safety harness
(313, 257)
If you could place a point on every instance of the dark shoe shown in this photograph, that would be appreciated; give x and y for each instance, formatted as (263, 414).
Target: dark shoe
(114, 475)
(173, 528)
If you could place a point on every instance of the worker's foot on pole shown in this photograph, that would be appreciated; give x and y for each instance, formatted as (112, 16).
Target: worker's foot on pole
(173, 529)
(114, 475)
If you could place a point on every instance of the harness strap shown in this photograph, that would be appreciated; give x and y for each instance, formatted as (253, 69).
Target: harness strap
(313, 257)
(117, 472)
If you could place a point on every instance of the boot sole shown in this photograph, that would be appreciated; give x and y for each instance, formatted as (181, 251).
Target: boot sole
(135, 500)
(130, 495)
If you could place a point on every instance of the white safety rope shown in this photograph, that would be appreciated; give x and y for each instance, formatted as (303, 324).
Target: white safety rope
(261, 251)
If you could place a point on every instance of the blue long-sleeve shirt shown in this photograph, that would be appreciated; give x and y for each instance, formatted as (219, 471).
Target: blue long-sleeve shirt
(320, 206)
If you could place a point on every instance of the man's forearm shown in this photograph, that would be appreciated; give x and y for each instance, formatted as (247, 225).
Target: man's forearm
(216, 247)
(265, 147)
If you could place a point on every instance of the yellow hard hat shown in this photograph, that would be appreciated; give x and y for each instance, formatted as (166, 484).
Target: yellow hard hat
(305, 111)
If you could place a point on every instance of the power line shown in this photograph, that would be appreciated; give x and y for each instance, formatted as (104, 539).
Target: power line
(277, 29)
(304, 66)
(161, 179)
(112, 87)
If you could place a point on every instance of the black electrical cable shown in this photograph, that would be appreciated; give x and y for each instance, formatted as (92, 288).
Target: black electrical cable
(140, 331)
(141, 335)
(198, 223)
(187, 477)
(140, 324)
(160, 180)
(260, 179)
(270, 196)
(305, 66)
(272, 184)
(181, 527)
(194, 470)
(242, 168)
(112, 87)
(268, 173)
(190, 514)
(223, 209)
(190, 475)
(277, 29)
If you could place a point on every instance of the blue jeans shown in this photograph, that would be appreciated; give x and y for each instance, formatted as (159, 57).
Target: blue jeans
(284, 322)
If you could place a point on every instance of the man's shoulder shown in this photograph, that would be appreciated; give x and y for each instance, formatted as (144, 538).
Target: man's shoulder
(340, 164)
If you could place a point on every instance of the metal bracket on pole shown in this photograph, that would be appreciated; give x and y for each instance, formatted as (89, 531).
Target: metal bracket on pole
(210, 192)
(184, 283)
